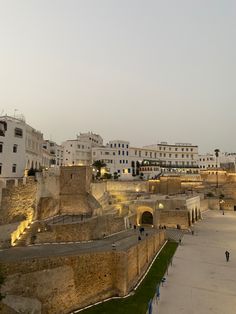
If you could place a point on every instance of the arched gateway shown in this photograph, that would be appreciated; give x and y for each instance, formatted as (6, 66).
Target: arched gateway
(147, 218)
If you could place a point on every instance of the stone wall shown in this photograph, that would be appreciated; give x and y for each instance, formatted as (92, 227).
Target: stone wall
(128, 186)
(18, 202)
(63, 284)
(172, 218)
(91, 229)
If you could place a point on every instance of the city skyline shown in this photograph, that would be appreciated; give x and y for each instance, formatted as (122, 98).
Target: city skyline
(133, 71)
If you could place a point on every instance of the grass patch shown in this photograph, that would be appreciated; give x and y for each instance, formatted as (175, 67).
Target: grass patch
(138, 303)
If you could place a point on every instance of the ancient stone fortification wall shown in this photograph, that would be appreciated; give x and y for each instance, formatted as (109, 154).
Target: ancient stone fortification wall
(172, 218)
(91, 229)
(98, 189)
(65, 191)
(62, 284)
(127, 186)
(18, 201)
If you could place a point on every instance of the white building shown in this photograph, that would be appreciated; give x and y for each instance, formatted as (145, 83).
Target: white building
(129, 161)
(79, 151)
(177, 158)
(20, 147)
(208, 161)
(225, 161)
(55, 152)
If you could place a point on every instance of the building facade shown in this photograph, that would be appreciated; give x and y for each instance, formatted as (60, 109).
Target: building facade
(78, 152)
(129, 162)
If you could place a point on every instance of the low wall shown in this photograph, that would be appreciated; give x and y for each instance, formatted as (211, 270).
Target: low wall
(172, 218)
(63, 284)
(91, 229)
(128, 186)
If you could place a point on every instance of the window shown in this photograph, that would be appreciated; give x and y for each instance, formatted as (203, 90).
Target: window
(135, 153)
(176, 149)
(169, 155)
(182, 155)
(119, 145)
(123, 153)
(0, 168)
(123, 145)
(1, 147)
(114, 153)
(114, 145)
(176, 155)
(127, 153)
(18, 132)
(14, 168)
(118, 152)
(127, 146)
(14, 148)
(3, 128)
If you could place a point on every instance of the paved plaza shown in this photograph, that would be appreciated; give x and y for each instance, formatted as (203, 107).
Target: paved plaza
(200, 280)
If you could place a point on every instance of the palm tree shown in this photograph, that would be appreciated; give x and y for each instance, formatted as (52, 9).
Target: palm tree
(217, 157)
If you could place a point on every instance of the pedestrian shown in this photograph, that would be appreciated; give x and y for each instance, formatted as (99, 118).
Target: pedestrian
(192, 232)
(227, 256)
(179, 241)
(139, 238)
(134, 227)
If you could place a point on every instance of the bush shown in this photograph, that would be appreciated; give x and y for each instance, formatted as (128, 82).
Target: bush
(210, 194)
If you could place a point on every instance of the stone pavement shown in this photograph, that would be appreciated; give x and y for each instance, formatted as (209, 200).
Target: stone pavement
(122, 240)
(200, 280)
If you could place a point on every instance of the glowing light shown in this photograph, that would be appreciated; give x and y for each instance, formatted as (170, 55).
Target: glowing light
(161, 206)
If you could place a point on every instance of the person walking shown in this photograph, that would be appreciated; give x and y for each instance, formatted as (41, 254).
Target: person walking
(227, 256)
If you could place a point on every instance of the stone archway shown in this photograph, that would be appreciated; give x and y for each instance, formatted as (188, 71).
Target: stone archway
(147, 218)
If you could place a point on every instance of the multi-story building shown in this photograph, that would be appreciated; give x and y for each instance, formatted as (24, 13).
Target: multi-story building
(79, 151)
(225, 161)
(129, 161)
(20, 147)
(55, 151)
(177, 158)
(208, 161)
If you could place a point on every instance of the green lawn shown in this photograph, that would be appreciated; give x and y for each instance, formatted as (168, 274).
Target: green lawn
(137, 303)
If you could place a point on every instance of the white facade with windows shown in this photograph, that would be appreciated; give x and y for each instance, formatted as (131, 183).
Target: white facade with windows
(177, 158)
(20, 147)
(55, 152)
(79, 151)
(208, 161)
(129, 161)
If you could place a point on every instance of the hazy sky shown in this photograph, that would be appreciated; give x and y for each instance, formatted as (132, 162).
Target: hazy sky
(143, 71)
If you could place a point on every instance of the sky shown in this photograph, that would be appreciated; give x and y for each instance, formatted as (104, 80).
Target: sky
(144, 71)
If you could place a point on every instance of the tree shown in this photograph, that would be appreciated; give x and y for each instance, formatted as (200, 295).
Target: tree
(99, 164)
(217, 156)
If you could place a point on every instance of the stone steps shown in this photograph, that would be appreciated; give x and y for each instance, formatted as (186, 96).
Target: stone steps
(26, 236)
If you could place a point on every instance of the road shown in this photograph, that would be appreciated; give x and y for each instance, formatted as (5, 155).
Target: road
(122, 240)
(200, 280)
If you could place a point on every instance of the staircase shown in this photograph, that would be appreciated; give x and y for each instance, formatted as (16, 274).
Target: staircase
(174, 234)
(27, 234)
